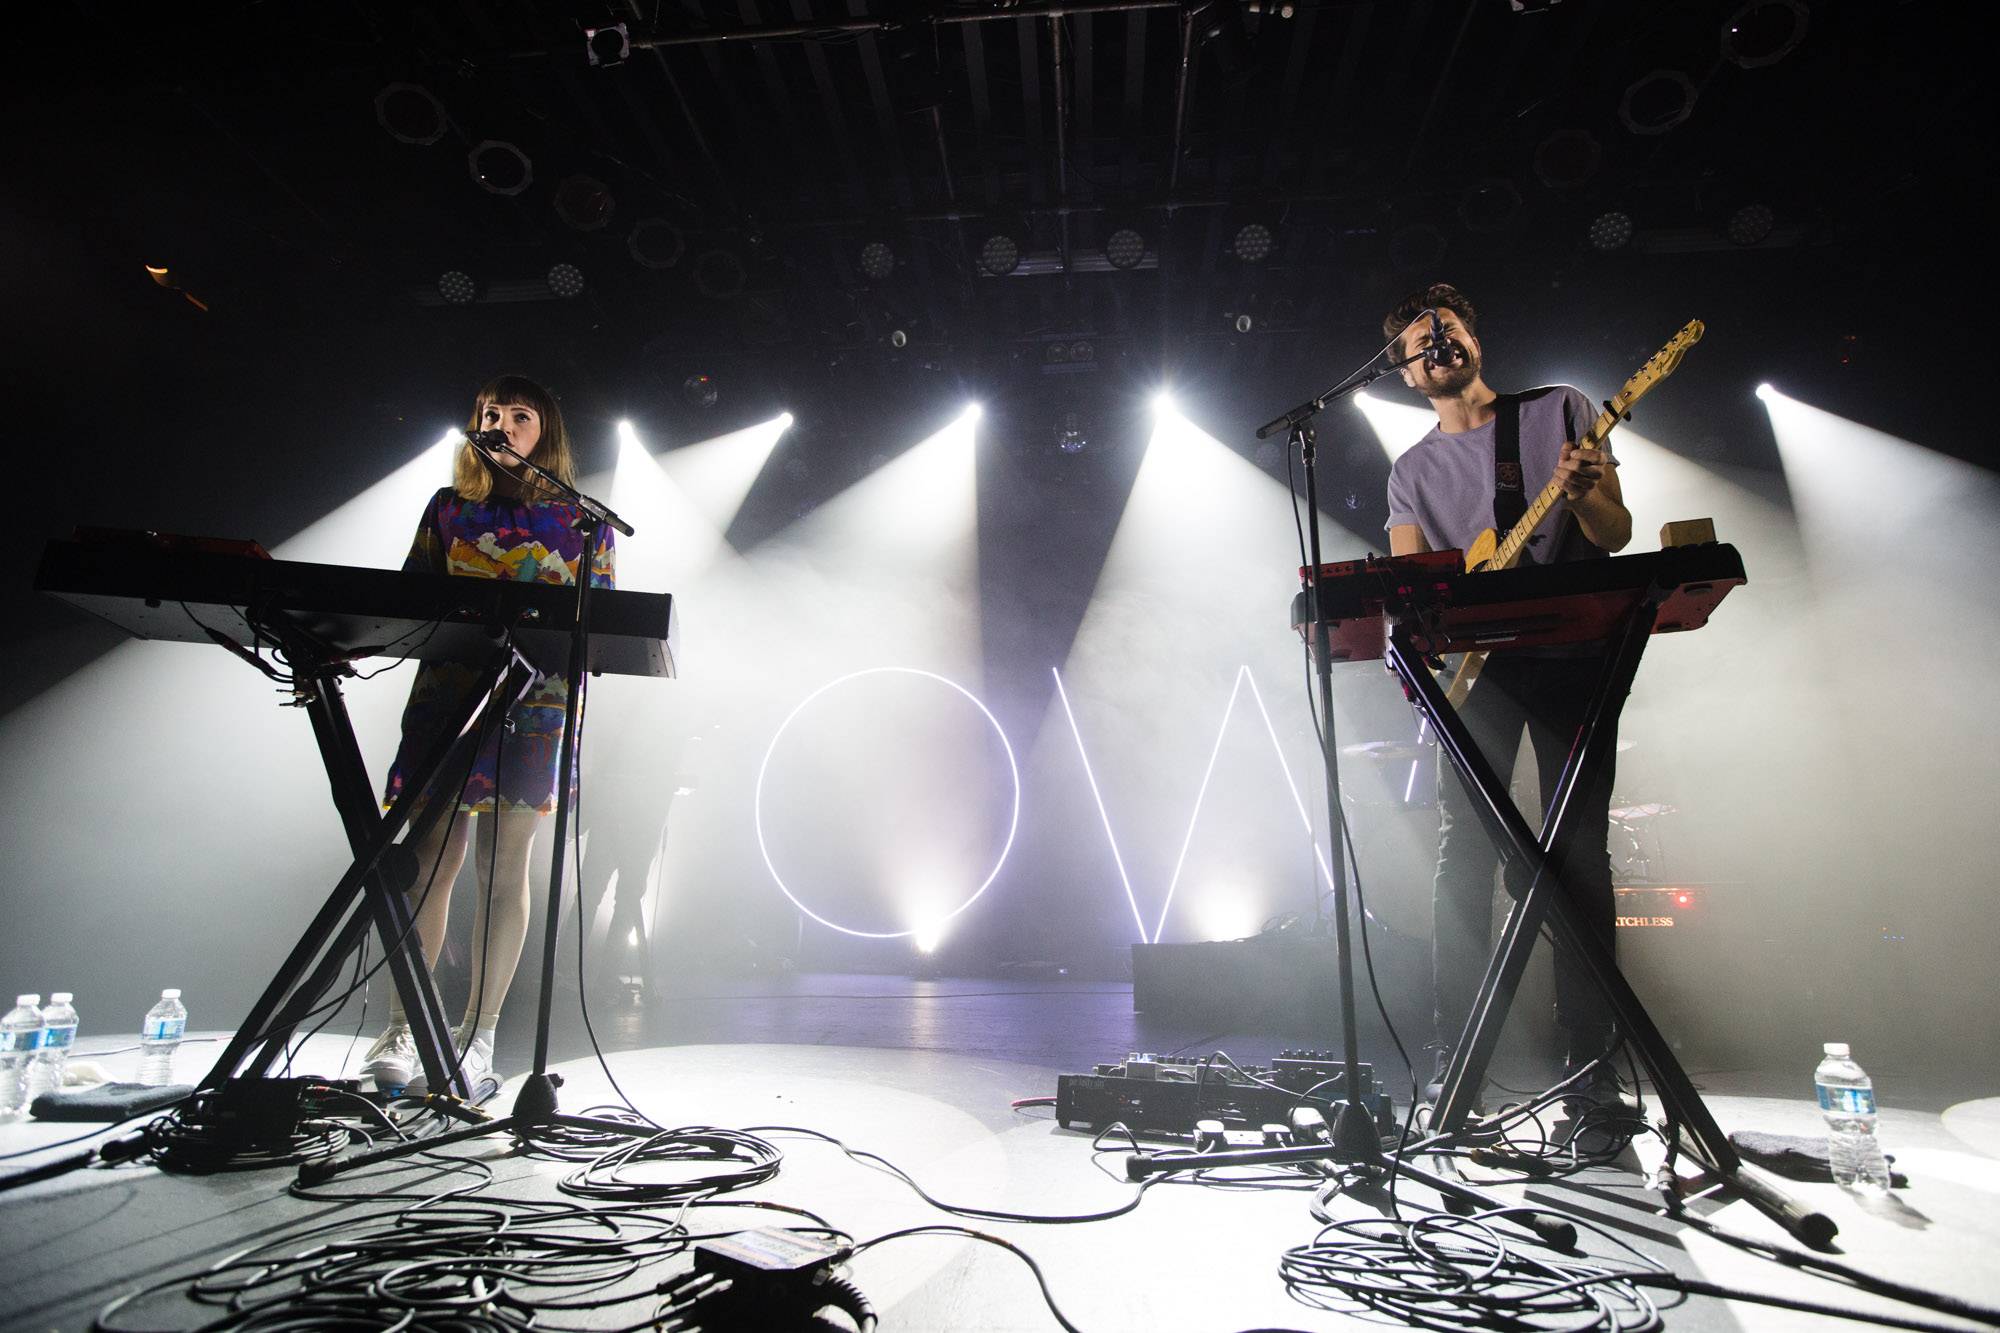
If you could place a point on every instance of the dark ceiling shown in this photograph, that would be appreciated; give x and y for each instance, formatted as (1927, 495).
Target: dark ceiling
(252, 148)
(715, 192)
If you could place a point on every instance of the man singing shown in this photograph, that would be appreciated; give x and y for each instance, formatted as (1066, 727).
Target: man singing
(1488, 454)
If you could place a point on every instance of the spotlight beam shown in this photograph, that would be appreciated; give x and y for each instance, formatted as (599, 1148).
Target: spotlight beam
(1102, 813)
(1200, 795)
(1298, 802)
(1243, 676)
(1013, 818)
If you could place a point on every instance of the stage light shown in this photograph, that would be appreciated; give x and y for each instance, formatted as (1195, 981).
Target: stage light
(701, 391)
(1750, 225)
(1071, 438)
(1683, 899)
(1397, 426)
(1163, 404)
(655, 243)
(607, 46)
(1124, 248)
(163, 277)
(584, 202)
(1610, 231)
(410, 114)
(566, 280)
(1657, 101)
(1253, 243)
(878, 261)
(712, 476)
(624, 427)
(1228, 911)
(937, 922)
(1766, 392)
(972, 412)
(999, 255)
(1764, 32)
(785, 421)
(457, 288)
(498, 167)
(928, 936)
(1567, 159)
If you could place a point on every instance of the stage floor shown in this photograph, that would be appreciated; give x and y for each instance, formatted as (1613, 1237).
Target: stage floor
(923, 1073)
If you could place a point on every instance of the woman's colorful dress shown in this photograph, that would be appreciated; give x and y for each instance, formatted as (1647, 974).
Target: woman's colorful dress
(495, 539)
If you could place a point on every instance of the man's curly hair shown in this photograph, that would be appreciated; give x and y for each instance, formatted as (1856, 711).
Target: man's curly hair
(1442, 296)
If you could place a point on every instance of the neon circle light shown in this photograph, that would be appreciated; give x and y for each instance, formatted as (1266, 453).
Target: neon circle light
(1013, 819)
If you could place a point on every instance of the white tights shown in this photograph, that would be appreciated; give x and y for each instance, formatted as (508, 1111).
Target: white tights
(499, 927)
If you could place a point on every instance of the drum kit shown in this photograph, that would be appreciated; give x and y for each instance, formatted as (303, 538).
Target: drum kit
(1637, 847)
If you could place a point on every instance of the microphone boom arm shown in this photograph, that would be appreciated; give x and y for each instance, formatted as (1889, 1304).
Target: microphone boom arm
(595, 508)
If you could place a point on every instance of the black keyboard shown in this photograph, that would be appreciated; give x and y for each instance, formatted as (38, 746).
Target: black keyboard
(181, 590)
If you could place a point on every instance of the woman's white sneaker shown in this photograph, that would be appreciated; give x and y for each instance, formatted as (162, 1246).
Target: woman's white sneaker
(392, 1061)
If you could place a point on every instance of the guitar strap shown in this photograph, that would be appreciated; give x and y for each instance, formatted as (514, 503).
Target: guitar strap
(1510, 499)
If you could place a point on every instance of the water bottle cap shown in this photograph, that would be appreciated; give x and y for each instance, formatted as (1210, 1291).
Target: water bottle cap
(170, 995)
(60, 997)
(30, 1000)
(1836, 1049)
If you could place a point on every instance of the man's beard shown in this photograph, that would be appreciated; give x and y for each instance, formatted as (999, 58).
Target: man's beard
(1450, 381)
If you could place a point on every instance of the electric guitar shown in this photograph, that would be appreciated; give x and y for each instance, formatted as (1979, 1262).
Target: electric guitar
(1487, 552)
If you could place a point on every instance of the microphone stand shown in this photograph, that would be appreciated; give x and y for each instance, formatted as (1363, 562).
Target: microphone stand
(535, 1105)
(1352, 1138)
(1353, 1127)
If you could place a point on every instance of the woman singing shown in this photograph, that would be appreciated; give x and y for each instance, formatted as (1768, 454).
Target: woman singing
(495, 521)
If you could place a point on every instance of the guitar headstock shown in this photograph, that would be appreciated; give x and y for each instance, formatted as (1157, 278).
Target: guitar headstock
(1664, 363)
(1668, 359)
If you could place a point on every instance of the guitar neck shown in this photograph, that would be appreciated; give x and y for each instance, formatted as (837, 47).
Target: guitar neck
(1510, 550)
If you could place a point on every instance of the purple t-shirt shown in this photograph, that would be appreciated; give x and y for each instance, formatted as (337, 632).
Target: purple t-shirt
(1444, 484)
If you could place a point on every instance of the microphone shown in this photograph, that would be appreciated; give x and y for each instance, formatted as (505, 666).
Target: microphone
(491, 440)
(1438, 351)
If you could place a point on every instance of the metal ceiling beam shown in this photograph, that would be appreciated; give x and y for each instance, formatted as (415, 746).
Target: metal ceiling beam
(1062, 138)
(1183, 85)
(982, 109)
(836, 121)
(1132, 122)
(1027, 42)
(763, 32)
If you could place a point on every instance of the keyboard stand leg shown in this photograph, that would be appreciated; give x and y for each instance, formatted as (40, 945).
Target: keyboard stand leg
(371, 893)
(1545, 896)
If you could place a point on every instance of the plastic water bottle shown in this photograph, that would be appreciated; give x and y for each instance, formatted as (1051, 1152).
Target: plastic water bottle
(58, 1035)
(20, 1039)
(165, 1023)
(1847, 1097)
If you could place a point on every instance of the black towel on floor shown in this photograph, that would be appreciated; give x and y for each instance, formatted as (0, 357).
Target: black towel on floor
(1798, 1156)
(108, 1101)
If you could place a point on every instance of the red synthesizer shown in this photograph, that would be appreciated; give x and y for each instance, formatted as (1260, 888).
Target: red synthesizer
(1447, 610)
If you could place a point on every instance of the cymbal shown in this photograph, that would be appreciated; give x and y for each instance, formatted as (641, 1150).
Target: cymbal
(1626, 814)
(1386, 751)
